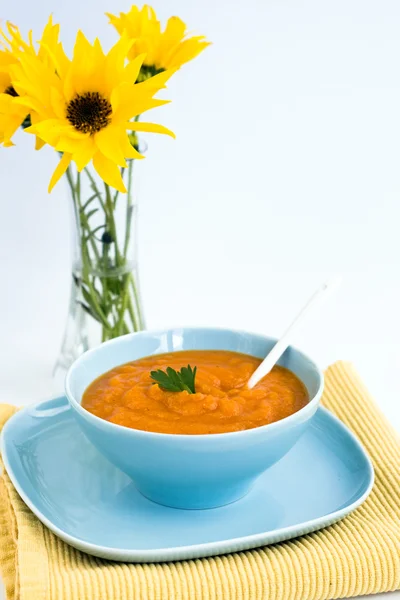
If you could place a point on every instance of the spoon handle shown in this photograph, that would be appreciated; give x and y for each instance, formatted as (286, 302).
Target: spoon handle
(274, 355)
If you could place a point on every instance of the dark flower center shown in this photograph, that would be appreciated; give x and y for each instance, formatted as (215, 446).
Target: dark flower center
(89, 112)
(10, 91)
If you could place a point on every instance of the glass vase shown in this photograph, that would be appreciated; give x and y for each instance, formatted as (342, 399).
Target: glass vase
(105, 297)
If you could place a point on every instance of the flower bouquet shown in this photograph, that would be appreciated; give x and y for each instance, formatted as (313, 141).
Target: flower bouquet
(89, 109)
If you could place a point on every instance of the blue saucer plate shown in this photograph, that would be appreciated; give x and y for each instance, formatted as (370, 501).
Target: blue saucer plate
(94, 507)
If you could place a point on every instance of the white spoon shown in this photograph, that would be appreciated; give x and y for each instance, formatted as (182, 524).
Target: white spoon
(274, 355)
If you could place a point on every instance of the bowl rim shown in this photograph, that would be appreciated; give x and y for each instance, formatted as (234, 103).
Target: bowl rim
(77, 407)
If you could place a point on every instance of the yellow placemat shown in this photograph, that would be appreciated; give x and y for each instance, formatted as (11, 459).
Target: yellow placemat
(359, 555)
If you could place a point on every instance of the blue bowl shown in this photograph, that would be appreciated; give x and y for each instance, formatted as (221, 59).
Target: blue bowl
(191, 471)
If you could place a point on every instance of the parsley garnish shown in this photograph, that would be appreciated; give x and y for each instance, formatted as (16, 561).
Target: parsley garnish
(175, 381)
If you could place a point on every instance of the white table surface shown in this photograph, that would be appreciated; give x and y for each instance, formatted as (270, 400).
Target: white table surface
(285, 169)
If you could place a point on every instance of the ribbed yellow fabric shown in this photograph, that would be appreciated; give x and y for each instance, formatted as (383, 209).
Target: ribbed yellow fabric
(359, 555)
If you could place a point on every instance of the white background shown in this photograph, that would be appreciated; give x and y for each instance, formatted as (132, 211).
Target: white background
(285, 169)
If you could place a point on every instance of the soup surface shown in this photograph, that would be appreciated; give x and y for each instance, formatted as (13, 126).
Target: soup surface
(128, 396)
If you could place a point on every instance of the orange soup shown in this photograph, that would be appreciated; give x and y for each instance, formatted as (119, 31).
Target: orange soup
(128, 396)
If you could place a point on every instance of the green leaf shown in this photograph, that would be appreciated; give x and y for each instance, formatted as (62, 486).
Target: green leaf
(176, 381)
(174, 377)
(188, 376)
(87, 296)
(91, 213)
(115, 285)
(164, 381)
(91, 302)
(93, 232)
(88, 201)
(89, 311)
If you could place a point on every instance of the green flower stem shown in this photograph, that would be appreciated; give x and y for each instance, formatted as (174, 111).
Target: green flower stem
(109, 293)
(95, 188)
(76, 191)
(86, 277)
(124, 305)
(132, 315)
(116, 193)
(137, 301)
(129, 208)
(111, 221)
(104, 285)
(76, 196)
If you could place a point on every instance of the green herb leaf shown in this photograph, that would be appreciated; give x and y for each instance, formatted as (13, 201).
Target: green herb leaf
(176, 381)
(91, 213)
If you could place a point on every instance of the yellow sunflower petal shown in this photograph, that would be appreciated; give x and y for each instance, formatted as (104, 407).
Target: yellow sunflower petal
(58, 57)
(49, 38)
(114, 63)
(84, 152)
(149, 127)
(60, 170)
(9, 128)
(47, 130)
(5, 102)
(34, 78)
(87, 72)
(15, 40)
(82, 47)
(186, 51)
(99, 54)
(127, 148)
(52, 131)
(39, 143)
(116, 21)
(127, 102)
(116, 57)
(109, 172)
(142, 106)
(175, 29)
(58, 103)
(6, 144)
(149, 12)
(132, 70)
(169, 42)
(69, 144)
(5, 79)
(164, 49)
(11, 117)
(107, 142)
(158, 81)
(28, 103)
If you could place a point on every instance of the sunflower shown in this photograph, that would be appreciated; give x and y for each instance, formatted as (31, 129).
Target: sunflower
(84, 107)
(164, 50)
(13, 114)
(6, 60)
